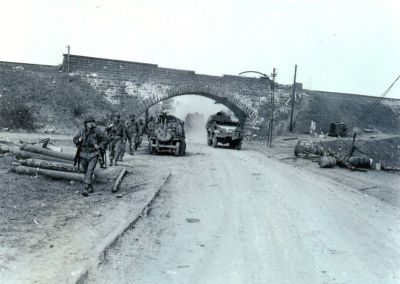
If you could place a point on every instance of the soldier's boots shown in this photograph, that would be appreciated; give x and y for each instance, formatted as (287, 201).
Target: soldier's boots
(88, 189)
(111, 163)
(85, 191)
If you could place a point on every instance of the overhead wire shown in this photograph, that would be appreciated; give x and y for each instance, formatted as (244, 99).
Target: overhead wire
(374, 105)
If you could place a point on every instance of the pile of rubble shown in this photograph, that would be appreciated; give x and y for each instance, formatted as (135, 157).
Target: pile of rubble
(329, 159)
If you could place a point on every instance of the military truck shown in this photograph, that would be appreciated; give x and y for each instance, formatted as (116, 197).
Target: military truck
(222, 129)
(167, 135)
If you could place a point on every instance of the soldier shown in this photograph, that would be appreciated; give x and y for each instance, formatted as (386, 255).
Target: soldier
(151, 124)
(123, 144)
(141, 128)
(131, 131)
(89, 140)
(117, 133)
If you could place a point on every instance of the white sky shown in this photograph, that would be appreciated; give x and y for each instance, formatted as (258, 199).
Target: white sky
(344, 45)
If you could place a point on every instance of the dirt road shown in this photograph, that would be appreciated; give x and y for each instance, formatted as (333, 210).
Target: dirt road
(229, 216)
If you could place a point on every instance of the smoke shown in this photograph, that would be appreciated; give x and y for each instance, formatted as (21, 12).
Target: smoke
(196, 109)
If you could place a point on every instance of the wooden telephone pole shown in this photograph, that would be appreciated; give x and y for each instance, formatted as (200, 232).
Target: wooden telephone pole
(293, 98)
(271, 124)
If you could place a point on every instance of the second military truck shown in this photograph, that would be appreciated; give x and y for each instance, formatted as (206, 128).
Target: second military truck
(222, 129)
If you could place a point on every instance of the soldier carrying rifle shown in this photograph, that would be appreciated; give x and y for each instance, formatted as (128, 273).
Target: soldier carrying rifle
(89, 141)
(117, 134)
(131, 131)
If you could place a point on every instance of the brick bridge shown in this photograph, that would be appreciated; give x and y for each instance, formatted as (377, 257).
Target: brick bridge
(142, 85)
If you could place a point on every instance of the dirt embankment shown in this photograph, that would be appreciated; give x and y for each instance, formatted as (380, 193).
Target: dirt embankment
(44, 100)
(356, 111)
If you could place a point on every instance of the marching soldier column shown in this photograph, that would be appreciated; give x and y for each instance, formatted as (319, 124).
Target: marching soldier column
(92, 144)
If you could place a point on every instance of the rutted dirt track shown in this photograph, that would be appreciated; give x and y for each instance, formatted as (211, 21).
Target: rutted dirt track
(230, 216)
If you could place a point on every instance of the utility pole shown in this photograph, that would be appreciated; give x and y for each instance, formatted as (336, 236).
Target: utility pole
(293, 98)
(68, 48)
(272, 84)
(271, 128)
(146, 118)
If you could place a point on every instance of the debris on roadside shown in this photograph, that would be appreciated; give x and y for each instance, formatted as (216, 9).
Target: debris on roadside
(307, 148)
(192, 220)
(361, 162)
(337, 129)
(119, 180)
(327, 161)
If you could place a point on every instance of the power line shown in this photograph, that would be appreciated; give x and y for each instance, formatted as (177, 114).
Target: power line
(375, 104)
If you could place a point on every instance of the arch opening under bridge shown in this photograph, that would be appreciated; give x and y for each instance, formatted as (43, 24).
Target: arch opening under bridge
(239, 109)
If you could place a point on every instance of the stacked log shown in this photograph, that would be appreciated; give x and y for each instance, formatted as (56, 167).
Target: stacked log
(18, 168)
(57, 166)
(33, 160)
(48, 152)
(19, 154)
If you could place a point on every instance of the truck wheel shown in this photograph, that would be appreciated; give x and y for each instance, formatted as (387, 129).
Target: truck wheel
(184, 148)
(239, 146)
(209, 141)
(214, 141)
(151, 148)
(178, 149)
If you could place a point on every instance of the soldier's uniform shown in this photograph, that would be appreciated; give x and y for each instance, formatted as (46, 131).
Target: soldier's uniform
(123, 145)
(117, 133)
(131, 131)
(139, 133)
(90, 140)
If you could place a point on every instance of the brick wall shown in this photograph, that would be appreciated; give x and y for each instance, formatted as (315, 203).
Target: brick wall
(121, 81)
(27, 66)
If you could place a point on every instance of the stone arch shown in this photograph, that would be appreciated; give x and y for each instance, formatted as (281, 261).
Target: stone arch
(231, 101)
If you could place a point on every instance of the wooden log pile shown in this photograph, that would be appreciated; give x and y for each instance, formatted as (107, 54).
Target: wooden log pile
(51, 173)
(35, 160)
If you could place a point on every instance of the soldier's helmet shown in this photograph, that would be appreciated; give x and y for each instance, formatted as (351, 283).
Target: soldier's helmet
(89, 118)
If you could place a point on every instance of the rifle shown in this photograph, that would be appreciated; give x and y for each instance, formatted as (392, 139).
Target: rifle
(77, 159)
(101, 156)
